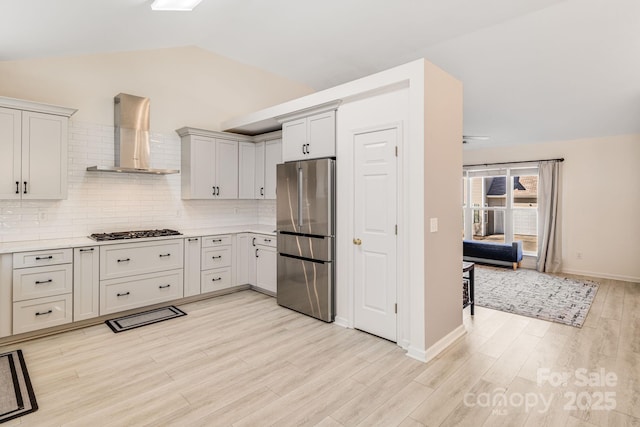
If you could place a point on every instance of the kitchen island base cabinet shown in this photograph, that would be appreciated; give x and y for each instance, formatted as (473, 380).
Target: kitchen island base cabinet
(133, 292)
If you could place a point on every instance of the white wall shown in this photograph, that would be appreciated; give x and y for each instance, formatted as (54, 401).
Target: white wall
(187, 86)
(600, 202)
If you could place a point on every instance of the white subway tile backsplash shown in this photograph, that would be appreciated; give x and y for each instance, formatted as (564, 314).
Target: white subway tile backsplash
(102, 202)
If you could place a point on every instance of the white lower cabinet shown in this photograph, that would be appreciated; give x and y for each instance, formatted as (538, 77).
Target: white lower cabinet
(127, 292)
(42, 289)
(142, 273)
(216, 263)
(264, 253)
(86, 283)
(245, 261)
(41, 313)
(192, 254)
(216, 279)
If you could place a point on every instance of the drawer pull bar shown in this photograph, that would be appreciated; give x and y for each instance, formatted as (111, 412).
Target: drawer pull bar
(40, 258)
(216, 240)
(164, 286)
(40, 282)
(87, 250)
(195, 239)
(215, 280)
(124, 260)
(267, 240)
(164, 255)
(216, 257)
(38, 313)
(123, 294)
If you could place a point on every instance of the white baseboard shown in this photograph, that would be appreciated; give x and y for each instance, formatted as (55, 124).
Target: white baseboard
(595, 274)
(438, 347)
(341, 321)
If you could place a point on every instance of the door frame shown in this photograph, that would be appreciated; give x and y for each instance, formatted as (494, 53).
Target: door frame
(401, 287)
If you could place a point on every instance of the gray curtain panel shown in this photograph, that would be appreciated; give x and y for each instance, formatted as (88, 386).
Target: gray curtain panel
(549, 217)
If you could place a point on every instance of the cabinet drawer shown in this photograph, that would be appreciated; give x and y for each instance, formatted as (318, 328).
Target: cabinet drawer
(216, 257)
(41, 313)
(39, 258)
(211, 241)
(37, 282)
(216, 279)
(264, 240)
(129, 259)
(124, 294)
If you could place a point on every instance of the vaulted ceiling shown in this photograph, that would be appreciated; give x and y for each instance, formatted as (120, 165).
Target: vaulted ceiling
(533, 70)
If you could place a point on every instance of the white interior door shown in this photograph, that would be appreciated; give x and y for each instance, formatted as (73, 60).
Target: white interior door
(375, 232)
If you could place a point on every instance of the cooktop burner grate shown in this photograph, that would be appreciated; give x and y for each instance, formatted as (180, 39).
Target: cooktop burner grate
(139, 234)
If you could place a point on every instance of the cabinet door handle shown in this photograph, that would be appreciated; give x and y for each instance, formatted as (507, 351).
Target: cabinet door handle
(257, 253)
(40, 282)
(17, 187)
(216, 240)
(262, 191)
(216, 257)
(164, 286)
(308, 151)
(253, 241)
(216, 279)
(40, 258)
(124, 294)
(124, 260)
(195, 239)
(42, 313)
(87, 250)
(303, 147)
(213, 189)
(164, 255)
(25, 188)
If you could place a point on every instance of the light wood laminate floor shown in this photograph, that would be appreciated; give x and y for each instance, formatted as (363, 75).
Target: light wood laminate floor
(242, 360)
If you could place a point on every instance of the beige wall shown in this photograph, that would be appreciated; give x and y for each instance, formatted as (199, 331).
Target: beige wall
(601, 200)
(188, 86)
(442, 190)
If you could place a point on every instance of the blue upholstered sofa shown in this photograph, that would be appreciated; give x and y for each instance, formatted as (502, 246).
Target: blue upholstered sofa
(509, 254)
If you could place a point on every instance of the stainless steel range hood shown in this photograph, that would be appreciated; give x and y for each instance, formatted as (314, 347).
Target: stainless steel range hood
(131, 148)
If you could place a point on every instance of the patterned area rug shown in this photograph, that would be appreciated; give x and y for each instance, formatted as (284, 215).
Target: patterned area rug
(533, 294)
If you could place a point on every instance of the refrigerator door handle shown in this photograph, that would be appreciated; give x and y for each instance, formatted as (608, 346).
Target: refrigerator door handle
(300, 198)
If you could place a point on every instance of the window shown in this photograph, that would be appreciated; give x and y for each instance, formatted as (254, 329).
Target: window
(501, 205)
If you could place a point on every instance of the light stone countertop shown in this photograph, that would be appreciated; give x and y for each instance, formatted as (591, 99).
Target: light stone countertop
(78, 242)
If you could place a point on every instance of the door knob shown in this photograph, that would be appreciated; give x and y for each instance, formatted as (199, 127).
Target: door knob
(357, 242)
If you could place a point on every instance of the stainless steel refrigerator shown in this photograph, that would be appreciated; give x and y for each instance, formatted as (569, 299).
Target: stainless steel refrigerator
(306, 231)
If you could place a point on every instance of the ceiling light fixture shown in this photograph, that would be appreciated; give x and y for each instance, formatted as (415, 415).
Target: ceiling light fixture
(174, 5)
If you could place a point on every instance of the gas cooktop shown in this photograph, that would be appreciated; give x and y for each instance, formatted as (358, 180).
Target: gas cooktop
(125, 235)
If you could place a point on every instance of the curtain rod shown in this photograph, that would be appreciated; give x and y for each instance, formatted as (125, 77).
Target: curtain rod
(510, 163)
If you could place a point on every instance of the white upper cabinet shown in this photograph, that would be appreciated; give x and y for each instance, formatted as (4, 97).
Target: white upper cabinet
(209, 164)
(246, 170)
(272, 156)
(257, 166)
(309, 137)
(33, 142)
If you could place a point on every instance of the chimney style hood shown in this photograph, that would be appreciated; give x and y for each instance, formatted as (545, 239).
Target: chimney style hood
(131, 148)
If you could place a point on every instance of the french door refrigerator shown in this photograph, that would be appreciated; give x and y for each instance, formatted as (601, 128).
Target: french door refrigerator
(305, 210)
